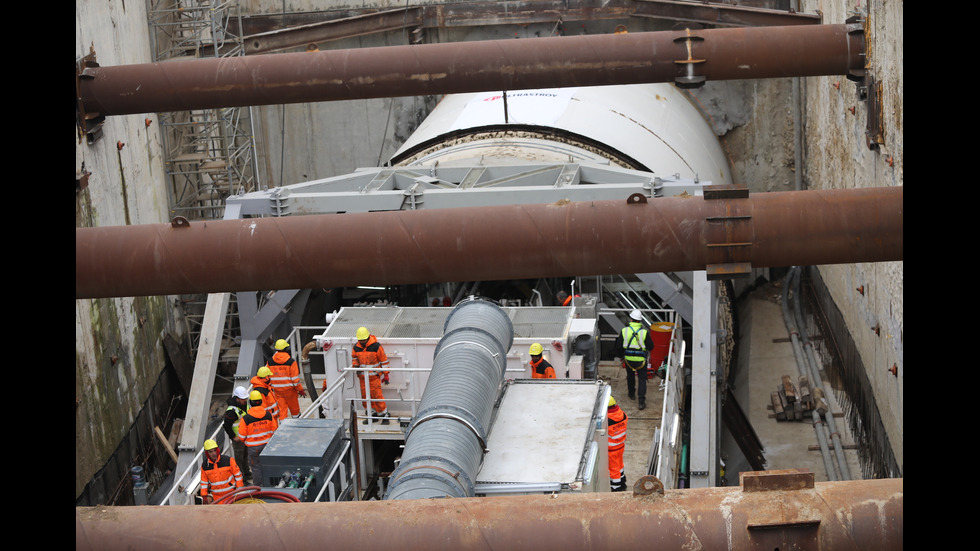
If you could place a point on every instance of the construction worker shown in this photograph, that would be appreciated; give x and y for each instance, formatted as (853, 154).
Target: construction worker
(368, 354)
(256, 428)
(564, 299)
(237, 406)
(285, 379)
(220, 475)
(540, 368)
(635, 343)
(262, 382)
(616, 431)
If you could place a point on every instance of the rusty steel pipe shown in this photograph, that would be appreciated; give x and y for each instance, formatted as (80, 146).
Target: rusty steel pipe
(490, 243)
(839, 516)
(666, 56)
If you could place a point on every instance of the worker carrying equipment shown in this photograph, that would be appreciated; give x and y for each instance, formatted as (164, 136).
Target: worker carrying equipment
(540, 368)
(220, 474)
(285, 379)
(616, 431)
(262, 382)
(634, 342)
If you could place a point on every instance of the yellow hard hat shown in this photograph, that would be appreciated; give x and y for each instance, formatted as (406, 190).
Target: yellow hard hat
(536, 349)
(282, 344)
(210, 445)
(255, 395)
(612, 401)
(362, 333)
(264, 371)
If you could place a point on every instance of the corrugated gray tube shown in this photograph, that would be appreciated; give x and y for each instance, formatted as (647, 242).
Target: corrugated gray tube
(445, 443)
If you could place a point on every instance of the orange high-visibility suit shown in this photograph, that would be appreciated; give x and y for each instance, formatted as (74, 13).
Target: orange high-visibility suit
(617, 444)
(256, 429)
(286, 382)
(220, 477)
(542, 369)
(371, 356)
(269, 400)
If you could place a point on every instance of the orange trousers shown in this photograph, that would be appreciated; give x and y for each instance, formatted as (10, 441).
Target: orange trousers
(288, 398)
(616, 466)
(376, 395)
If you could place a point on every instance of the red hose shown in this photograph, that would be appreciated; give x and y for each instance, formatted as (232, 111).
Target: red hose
(255, 491)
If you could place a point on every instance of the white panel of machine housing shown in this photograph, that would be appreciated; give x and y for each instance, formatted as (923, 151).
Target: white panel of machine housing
(654, 124)
(561, 416)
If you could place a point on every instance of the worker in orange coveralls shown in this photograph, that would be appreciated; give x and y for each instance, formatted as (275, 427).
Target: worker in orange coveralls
(256, 429)
(540, 368)
(285, 381)
(220, 474)
(262, 382)
(617, 444)
(369, 354)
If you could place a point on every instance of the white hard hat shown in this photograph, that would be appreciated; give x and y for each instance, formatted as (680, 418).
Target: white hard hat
(636, 316)
(240, 392)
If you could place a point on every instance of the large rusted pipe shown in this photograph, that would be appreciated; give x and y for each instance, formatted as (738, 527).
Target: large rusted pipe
(592, 60)
(490, 243)
(839, 516)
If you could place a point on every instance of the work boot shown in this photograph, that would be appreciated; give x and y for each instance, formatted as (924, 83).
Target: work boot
(632, 395)
(643, 403)
(366, 421)
(385, 418)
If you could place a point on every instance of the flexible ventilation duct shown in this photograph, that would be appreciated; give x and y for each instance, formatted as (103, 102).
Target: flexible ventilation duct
(445, 442)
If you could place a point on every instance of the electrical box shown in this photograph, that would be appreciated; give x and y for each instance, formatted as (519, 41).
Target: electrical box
(302, 448)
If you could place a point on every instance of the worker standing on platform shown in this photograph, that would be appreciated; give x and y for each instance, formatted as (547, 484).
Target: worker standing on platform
(616, 431)
(368, 354)
(262, 382)
(540, 368)
(256, 429)
(220, 475)
(635, 343)
(237, 407)
(285, 379)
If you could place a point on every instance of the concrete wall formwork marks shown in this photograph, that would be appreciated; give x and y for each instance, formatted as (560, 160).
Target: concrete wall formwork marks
(837, 156)
(118, 351)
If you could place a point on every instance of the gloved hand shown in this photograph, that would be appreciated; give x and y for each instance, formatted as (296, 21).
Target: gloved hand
(302, 392)
(384, 378)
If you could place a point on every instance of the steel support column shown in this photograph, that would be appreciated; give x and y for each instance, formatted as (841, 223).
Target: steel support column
(688, 57)
(487, 243)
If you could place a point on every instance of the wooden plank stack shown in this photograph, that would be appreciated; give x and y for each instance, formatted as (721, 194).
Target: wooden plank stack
(791, 402)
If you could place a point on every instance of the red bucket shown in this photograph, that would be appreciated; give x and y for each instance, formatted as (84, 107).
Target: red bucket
(660, 332)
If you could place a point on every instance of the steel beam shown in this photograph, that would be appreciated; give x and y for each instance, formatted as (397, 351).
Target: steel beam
(490, 243)
(686, 57)
(841, 516)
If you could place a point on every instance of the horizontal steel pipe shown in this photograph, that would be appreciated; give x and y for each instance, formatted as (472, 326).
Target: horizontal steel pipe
(591, 60)
(490, 243)
(839, 516)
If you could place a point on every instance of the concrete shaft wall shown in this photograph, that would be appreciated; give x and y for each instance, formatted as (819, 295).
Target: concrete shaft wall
(118, 350)
(837, 156)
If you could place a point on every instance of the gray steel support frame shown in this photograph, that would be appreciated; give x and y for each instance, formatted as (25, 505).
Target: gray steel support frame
(705, 417)
(413, 188)
(257, 323)
(205, 366)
